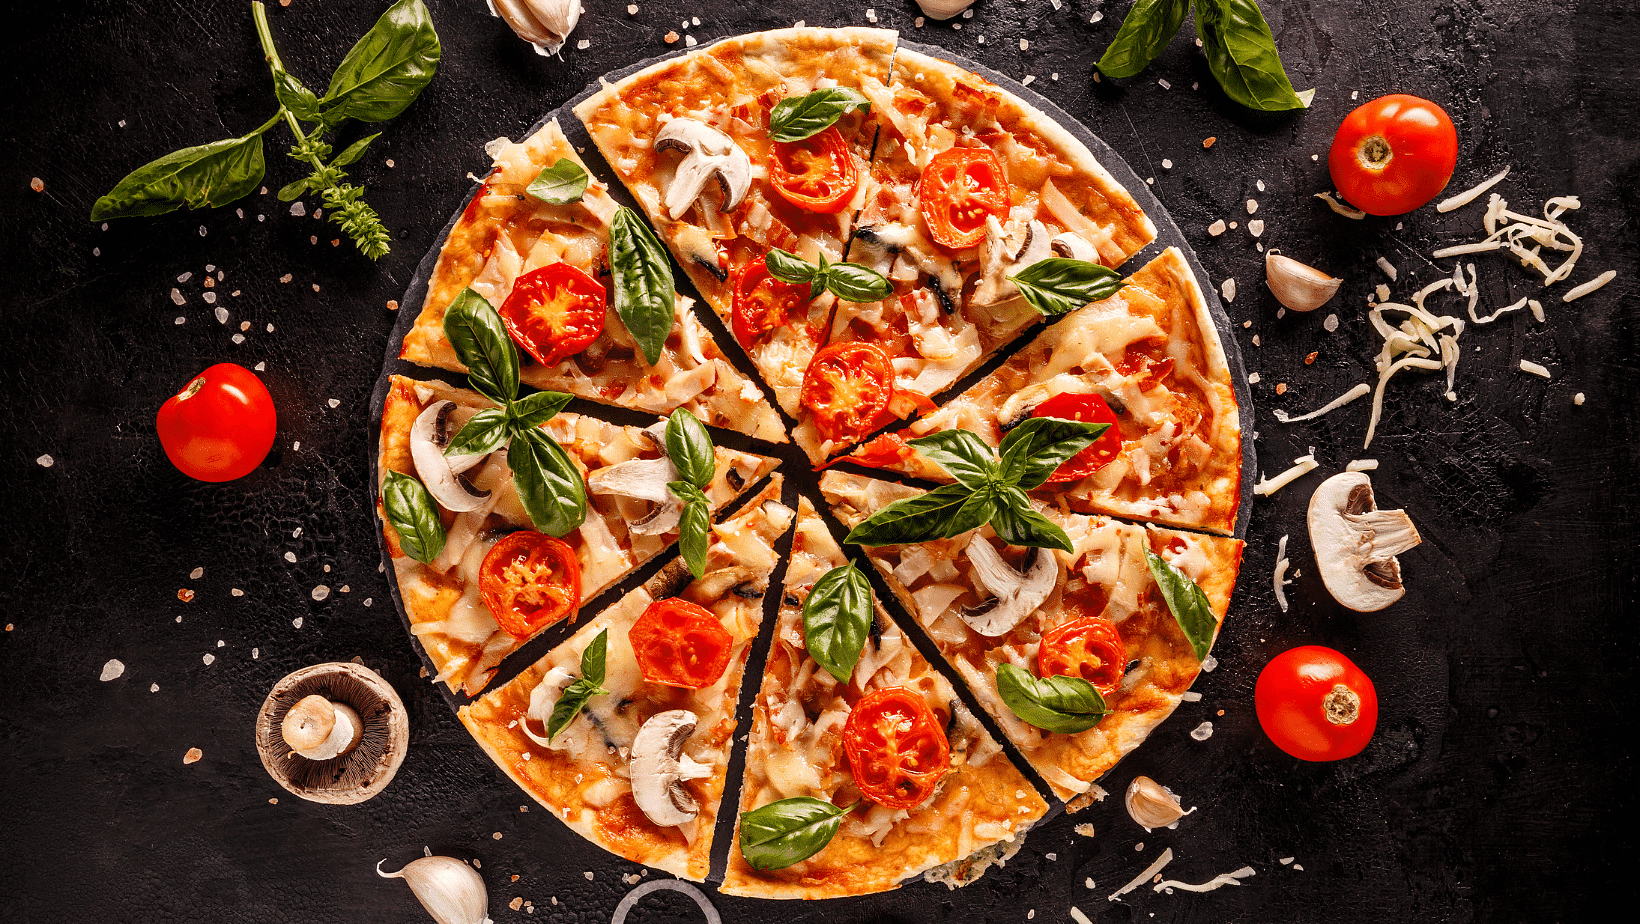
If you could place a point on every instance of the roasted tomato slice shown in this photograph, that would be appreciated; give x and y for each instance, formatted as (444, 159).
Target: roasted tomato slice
(554, 312)
(528, 581)
(885, 451)
(816, 174)
(896, 747)
(1315, 704)
(680, 644)
(959, 188)
(763, 303)
(1089, 409)
(847, 387)
(1088, 647)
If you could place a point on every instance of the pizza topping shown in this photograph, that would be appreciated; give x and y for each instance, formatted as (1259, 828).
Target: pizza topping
(959, 189)
(763, 303)
(1007, 251)
(709, 154)
(1088, 647)
(554, 312)
(1073, 246)
(848, 387)
(816, 173)
(431, 434)
(546, 24)
(659, 767)
(1014, 594)
(1151, 804)
(680, 644)
(896, 748)
(1356, 543)
(529, 581)
(1299, 287)
(643, 480)
(1089, 409)
(413, 515)
(789, 831)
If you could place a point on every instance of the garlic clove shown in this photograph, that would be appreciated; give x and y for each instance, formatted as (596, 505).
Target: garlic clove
(1151, 804)
(944, 9)
(546, 24)
(1299, 287)
(450, 890)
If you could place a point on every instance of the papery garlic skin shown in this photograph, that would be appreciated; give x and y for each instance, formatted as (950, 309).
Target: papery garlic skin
(1299, 287)
(546, 24)
(1151, 805)
(450, 890)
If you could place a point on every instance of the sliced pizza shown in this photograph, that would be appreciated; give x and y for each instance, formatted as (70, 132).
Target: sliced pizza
(1011, 618)
(1148, 362)
(918, 802)
(496, 581)
(623, 732)
(543, 263)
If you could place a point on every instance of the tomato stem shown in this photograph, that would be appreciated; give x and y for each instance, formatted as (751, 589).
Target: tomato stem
(1341, 705)
(1375, 153)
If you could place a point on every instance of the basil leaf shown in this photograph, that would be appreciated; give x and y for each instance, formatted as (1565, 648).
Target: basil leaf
(1031, 451)
(206, 175)
(354, 151)
(1017, 523)
(796, 118)
(852, 282)
(789, 267)
(294, 189)
(689, 447)
(962, 454)
(414, 516)
(837, 620)
(789, 831)
(294, 95)
(1057, 285)
(484, 433)
(559, 184)
(1149, 26)
(1187, 603)
(694, 526)
(569, 705)
(946, 511)
(535, 410)
(386, 69)
(550, 487)
(592, 659)
(1242, 55)
(645, 295)
(1055, 704)
(481, 342)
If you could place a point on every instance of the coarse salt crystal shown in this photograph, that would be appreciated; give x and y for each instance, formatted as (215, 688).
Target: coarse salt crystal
(185, 276)
(1255, 227)
(237, 592)
(112, 669)
(210, 298)
(583, 44)
(321, 592)
(689, 40)
(334, 403)
(176, 297)
(1167, 164)
(1216, 228)
(1253, 379)
(298, 209)
(238, 338)
(221, 314)
(1228, 289)
(1024, 45)
(1331, 324)
(1578, 398)
(1202, 732)
(209, 659)
(46, 461)
(290, 557)
(260, 367)
(153, 688)
(296, 623)
(1209, 663)
(256, 653)
(196, 574)
(193, 756)
(1162, 82)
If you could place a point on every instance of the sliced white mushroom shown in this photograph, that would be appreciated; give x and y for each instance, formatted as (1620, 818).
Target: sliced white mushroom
(434, 428)
(659, 767)
(709, 154)
(1005, 252)
(542, 699)
(1356, 543)
(1014, 595)
(642, 480)
(1073, 246)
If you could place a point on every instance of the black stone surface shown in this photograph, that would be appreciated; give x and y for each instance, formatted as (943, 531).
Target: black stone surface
(1500, 781)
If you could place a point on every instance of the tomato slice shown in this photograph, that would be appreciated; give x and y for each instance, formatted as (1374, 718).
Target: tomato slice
(680, 644)
(959, 188)
(1089, 409)
(763, 303)
(817, 173)
(847, 387)
(1088, 647)
(885, 451)
(896, 747)
(554, 312)
(529, 580)
(220, 426)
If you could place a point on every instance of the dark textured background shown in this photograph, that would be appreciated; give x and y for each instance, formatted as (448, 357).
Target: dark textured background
(1498, 785)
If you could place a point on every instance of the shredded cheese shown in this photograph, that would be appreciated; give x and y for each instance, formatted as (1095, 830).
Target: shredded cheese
(1340, 207)
(1338, 402)
(1362, 465)
(1139, 880)
(1470, 195)
(1281, 573)
(1223, 879)
(1589, 286)
(1302, 466)
(1527, 365)
(1078, 916)
(1388, 268)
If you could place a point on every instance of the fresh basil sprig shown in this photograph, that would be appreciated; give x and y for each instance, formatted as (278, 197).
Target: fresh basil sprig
(559, 184)
(689, 446)
(644, 293)
(837, 620)
(1187, 603)
(799, 117)
(583, 688)
(1058, 284)
(850, 282)
(990, 486)
(1241, 51)
(381, 75)
(414, 516)
(789, 831)
(1061, 703)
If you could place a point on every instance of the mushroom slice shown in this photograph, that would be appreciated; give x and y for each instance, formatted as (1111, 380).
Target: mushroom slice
(710, 153)
(1074, 246)
(542, 699)
(1005, 253)
(744, 582)
(1014, 595)
(643, 480)
(433, 430)
(659, 767)
(1356, 543)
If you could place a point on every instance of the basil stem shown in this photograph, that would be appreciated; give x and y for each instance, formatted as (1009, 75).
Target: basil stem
(484, 433)
(384, 72)
(550, 487)
(1242, 55)
(837, 620)
(1061, 704)
(1058, 284)
(689, 446)
(796, 118)
(1146, 30)
(481, 343)
(1186, 601)
(644, 293)
(575, 696)
(559, 184)
(782, 833)
(414, 516)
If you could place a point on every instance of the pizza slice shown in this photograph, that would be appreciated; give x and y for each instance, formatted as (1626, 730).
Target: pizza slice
(469, 605)
(809, 729)
(543, 263)
(623, 732)
(1016, 621)
(1147, 361)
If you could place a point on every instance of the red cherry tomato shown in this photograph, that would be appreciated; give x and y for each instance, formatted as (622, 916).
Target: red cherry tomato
(1089, 409)
(220, 426)
(528, 581)
(1393, 154)
(847, 387)
(763, 303)
(1315, 704)
(1088, 647)
(817, 173)
(680, 644)
(896, 747)
(554, 312)
(959, 188)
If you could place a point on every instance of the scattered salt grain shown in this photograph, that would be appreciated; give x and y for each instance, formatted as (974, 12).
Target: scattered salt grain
(1029, 79)
(1191, 696)
(1202, 732)
(270, 328)
(209, 659)
(321, 592)
(1096, 17)
(1209, 663)
(298, 209)
(368, 601)
(290, 557)
(260, 367)
(296, 623)
(689, 41)
(1167, 164)
(176, 297)
(1024, 45)
(256, 653)
(1253, 379)
(237, 592)
(1162, 82)
(112, 669)
(1228, 289)
(46, 461)
(193, 756)
(1256, 227)
(333, 402)
(220, 643)
(583, 44)
(1331, 324)
(221, 313)
(180, 321)
(185, 276)
(1578, 399)
(210, 298)
(1216, 228)
(153, 688)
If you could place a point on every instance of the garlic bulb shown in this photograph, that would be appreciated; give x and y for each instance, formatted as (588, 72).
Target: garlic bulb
(450, 890)
(1151, 805)
(944, 9)
(546, 24)
(1299, 287)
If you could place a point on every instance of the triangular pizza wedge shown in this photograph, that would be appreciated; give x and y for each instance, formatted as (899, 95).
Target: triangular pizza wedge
(1104, 617)
(545, 268)
(982, 804)
(640, 769)
(446, 597)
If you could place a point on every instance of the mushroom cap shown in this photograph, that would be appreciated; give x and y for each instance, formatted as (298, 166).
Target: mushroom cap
(348, 778)
(1355, 543)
